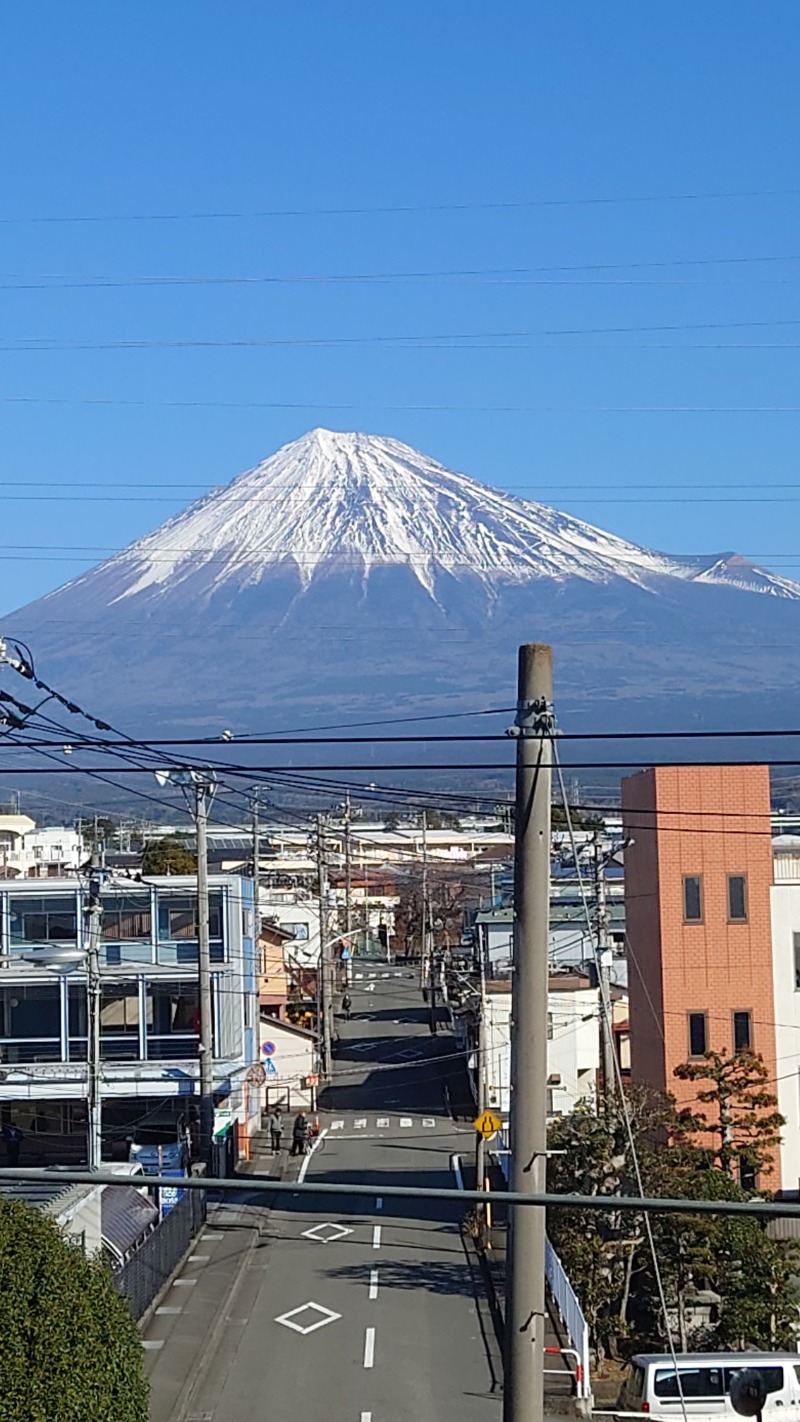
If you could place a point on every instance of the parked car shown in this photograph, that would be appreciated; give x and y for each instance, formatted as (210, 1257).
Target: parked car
(700, 1387)
(160, 1142)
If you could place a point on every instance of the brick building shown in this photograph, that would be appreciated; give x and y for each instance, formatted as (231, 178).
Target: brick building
(698, 879)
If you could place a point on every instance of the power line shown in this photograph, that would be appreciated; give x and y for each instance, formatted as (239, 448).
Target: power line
(514, 205)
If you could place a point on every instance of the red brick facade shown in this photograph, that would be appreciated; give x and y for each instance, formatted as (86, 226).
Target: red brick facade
(712, 822)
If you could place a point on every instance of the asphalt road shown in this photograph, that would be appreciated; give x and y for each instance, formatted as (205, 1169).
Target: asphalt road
(344, 1310)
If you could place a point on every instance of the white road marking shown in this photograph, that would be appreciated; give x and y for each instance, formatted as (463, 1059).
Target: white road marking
(184, 1283)
(199, 1258)
(373, 1283)
(373, 975)
(455, 1166)
(379, 1203)
(366, 1417)
(359, 977)
(376, 1237)
(369, 1347)
(326, 1233)
(307, 1158)
(370, 987)
(152, 1343)
(360, 1124)
(428, 1121)
(208, 1235)
(386, 975)
(167, 1308)
(337, 1126)
(382, 1121)
(406, 1121)
(289, 1320)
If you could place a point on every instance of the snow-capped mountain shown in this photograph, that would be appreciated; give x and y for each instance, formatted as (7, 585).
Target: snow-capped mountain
(349, 575)
(359, 502)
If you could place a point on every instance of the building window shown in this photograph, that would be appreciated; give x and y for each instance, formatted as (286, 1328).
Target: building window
(737, 898)
(119, 1022)
(742, 1033)
(692, 898)
(177, 917)
(125, 920)
(747, 1174)
(698, 1034)
(549, 1026)
(44, 920)
(299, 931)
(173, 1020)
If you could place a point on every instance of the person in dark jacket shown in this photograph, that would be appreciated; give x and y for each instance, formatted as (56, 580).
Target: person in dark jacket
(300, 1134)
(276, 1129)
(347, 1003)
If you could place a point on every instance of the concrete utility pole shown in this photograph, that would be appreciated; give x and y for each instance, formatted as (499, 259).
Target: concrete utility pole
(203, 792)
(523, 1391)
(324, 974)
(483, 1040)
(94, 1105)
(603, 953)
(348, 878)
(256, 864)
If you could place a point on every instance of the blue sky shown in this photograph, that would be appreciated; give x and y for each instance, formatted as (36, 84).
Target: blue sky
(511, 117)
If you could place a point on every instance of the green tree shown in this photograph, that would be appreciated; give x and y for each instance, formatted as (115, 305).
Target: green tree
(69, 1348)
(168, 856)
(741, 1116)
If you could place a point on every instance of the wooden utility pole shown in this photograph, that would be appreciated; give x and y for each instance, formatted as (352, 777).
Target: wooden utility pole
(523, 1391)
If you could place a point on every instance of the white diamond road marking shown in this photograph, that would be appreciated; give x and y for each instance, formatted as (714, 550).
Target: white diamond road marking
(406, 1121)
(382, 1122)
(360, 1123)
(337, 1125)
(326, 1233)
(289, 1320)
(370, 987)
(428, 1121)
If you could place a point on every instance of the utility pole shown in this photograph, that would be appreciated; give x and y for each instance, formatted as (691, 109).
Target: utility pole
(523, 1391)
(480, 1159)
(94, 1105)
(603, 956)
(348, 879)
(324, 973)
(203, 792)
(256, 864)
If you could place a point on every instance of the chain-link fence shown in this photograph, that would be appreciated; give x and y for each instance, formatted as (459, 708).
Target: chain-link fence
(144, 1275)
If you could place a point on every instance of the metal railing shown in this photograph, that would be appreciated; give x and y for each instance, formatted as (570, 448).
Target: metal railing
(142, 1277)
(561, 1292)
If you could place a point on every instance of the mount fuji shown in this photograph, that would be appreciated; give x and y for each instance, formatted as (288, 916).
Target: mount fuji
(349, 576)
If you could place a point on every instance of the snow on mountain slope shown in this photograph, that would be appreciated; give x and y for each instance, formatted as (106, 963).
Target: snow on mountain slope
(338, 501)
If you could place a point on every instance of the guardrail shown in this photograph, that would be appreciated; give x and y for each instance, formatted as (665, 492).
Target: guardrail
(561, 1292)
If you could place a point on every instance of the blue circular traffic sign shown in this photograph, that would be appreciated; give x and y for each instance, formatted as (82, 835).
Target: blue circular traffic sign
(268, 1048)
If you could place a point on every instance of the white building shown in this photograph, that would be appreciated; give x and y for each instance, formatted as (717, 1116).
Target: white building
(785, 906)
(573, 1044)
(149, 1020)
(30, 853)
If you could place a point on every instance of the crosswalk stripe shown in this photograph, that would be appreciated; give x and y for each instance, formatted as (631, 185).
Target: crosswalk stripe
(360, 1124)
(337, 1125)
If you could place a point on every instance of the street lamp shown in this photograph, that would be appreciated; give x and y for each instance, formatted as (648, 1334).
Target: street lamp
(199, 787)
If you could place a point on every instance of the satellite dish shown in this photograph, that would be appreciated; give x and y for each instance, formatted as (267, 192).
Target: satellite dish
(748, 1392)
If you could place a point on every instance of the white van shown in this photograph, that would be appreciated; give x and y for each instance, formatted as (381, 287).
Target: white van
(705, 1383)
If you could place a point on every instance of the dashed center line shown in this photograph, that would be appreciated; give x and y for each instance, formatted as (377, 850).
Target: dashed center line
(369, 1348)
(379, 1203)
(376, 1237)
(373, 1283)
(366, 1417)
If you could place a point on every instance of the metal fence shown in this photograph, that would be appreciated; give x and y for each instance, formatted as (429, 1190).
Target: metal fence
(144, 1275)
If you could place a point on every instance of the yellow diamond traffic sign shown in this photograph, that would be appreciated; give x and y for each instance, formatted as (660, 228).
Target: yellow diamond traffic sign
(487, 1124)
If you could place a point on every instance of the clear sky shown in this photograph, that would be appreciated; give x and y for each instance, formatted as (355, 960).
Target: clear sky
(492, 128)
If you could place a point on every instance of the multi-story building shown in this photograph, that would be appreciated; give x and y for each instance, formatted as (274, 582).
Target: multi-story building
(30, 853)
(698, 886)
(149, 1021)
(573, 1042)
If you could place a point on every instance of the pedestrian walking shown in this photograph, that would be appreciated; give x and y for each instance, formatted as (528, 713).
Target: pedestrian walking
(347, 1003)
(276, 1129)
(300, 1130)
(12, 1136)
